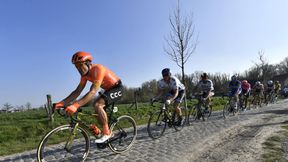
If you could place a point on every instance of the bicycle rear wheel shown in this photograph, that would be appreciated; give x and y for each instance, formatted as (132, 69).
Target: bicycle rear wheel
(179, 122)
(157, 124)
(124, 134)
(62, 144)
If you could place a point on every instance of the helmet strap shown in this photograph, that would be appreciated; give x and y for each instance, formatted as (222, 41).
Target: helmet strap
(88, 65)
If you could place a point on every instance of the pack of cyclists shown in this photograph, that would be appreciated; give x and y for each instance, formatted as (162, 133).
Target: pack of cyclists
(170, 91)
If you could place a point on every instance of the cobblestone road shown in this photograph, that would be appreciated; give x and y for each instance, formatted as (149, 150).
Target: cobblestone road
(173, 146)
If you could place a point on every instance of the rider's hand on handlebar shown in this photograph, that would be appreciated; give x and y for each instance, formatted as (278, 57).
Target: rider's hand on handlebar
(72, 108)
(153, 100)
(204, 98)
(58, 105)
(168, 102)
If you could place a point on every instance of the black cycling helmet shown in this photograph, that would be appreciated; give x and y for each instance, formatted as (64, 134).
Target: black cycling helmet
(204, 75)
(166, 72)
(234, 77)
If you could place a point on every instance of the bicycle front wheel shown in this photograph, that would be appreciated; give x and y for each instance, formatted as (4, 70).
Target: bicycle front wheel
(210, 109)
(157, 124)
(124, 134)
(226, 110)
(64, 143)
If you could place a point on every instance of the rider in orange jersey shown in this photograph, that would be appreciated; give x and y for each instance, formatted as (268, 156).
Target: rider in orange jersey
(100, 77)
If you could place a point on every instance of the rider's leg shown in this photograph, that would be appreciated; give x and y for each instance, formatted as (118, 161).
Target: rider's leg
(211, 94)
(236, 99)
(178, 113)
(102, 116)
(177, 109)
(246, 97)
(265, 96)
(208, 100)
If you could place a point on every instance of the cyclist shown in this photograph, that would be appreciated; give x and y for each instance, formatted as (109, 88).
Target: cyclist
(205, 85)
(269, 89)
(234, 89)
(246, 88)
(176, 92)
(100, 77)
(277, 88)
(258, 89)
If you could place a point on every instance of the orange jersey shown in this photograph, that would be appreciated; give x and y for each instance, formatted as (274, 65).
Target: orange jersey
(101, 75)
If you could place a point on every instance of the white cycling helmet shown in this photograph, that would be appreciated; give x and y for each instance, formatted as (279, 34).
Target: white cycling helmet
(270, 82)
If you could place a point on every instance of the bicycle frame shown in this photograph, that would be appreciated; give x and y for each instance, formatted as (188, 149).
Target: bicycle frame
(77, 132)
(76, 122)
(167, 113)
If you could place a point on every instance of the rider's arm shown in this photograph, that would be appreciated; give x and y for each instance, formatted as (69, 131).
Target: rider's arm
(89, 95)
(239, 86)
(175, 94)
(159, 93)
(210, 89)
(76, 92)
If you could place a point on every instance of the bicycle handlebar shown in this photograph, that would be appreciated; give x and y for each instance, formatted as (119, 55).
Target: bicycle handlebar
(62, 112)
(152, 102)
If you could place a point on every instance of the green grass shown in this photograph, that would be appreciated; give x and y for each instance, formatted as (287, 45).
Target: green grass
(21, 131)
(273, 146)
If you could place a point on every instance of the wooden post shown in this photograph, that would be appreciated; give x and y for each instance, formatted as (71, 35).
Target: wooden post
(49, 108)
(135, 99)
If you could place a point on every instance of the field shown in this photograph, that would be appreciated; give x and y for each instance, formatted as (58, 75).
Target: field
(21, 131)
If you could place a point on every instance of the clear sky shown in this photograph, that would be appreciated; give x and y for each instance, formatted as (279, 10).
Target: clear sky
(38, 38)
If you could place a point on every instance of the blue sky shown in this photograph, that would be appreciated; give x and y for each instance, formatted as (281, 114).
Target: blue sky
(38, 38)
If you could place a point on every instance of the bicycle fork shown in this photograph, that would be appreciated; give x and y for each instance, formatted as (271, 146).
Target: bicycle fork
(71, 138)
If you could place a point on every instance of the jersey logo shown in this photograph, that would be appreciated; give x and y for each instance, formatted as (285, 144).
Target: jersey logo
(116, 94)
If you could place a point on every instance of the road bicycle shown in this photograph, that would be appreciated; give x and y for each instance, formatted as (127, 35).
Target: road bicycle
(71, 142)
(159, 120)
(199, 110)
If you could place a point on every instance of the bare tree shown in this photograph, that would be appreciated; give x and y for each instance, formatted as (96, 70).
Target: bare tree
(28, 106)
(7, 106)
(283, 66)
(181, 41)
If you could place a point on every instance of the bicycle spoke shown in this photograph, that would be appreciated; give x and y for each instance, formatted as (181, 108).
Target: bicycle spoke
(157, 124)
(61, 145)
(124, 134)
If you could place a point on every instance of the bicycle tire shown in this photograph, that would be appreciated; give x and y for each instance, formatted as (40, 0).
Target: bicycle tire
(210, 111)
(177, 124)
(58, 138)
(199, 114)
(124, 134)
(160, 120)
(226, 110)
(205, 115)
